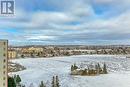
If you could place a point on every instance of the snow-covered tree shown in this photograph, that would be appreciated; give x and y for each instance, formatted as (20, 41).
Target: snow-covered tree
(72, 67)
(53, 82)
(99, 68)
(105, 69)
(18, 79)
(57, 82)
(75, 67)
(11, 82)
(42, 84)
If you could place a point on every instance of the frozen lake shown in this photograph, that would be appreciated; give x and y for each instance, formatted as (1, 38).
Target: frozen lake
(42, 69)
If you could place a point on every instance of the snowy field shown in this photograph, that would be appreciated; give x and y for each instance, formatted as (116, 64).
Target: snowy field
(42, 69)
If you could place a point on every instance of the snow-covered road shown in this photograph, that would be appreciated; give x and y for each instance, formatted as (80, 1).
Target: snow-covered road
(39, 69)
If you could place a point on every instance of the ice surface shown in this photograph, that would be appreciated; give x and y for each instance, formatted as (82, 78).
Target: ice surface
(42, 69)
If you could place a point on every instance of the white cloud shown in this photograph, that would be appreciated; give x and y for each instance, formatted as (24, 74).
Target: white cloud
(105, 1)
(40, 37)
(77, 22)
(115, 24)
(48, 18)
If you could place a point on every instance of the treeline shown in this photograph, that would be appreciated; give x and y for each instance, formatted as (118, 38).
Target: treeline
(54, 83)
(52, 51)
(15, 81)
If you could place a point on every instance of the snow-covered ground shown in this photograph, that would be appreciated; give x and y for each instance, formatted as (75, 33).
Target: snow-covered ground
(42, 69)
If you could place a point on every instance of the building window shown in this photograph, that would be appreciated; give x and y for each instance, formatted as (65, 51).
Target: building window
(4, 60)
(4, 66)
(4, 49)
(3, 84)
(4, 43)
(4, 55)
(4, 78)
(4, 72)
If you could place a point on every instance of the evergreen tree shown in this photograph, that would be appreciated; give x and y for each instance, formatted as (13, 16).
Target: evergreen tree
(53, 82)
(15, 78)
(18, 79)
(42, 84)
(11, 82)
(75, 67)
(99, 69)
(72, 67)
(105, 69)
(57, 82)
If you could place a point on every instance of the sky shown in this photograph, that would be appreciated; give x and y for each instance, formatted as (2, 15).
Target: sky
(68, 22)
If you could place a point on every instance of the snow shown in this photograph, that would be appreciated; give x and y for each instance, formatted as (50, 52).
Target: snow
(42, 69)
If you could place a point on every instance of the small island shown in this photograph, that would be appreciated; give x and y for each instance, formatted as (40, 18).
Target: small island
(90, 71)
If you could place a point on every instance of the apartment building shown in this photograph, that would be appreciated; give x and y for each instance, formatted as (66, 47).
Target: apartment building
(3, 63)
(12, 54)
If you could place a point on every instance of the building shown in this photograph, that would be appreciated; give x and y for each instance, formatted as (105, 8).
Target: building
(35, 49)
(31, 51)
(3, 63)
(12, 54)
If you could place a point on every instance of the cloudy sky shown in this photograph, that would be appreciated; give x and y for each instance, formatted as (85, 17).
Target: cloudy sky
(75, 22)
